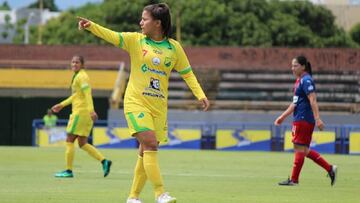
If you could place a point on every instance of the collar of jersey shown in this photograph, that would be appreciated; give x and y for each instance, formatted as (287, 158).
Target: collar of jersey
(164, 42)
(304, 74)
(75, 74)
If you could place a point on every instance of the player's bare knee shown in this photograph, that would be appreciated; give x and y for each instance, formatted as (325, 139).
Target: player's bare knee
(150, 145)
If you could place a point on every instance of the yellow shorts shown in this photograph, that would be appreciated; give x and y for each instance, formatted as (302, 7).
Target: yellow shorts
(79, 124)
(144, 121)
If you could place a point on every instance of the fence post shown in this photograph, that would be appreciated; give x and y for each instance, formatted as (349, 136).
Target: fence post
(345, 138)
(277, 138)
(208, 136)
(338, 140)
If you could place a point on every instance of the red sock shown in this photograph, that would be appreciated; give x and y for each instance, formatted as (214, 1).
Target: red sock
(298, 163)
(316, 157)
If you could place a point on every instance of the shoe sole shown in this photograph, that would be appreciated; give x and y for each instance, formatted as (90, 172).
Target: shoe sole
(106, 174)
(172, 201)
(64, 176)
(334, 169)
(288, 184)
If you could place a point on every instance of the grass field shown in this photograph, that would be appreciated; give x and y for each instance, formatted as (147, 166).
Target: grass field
(26, 175)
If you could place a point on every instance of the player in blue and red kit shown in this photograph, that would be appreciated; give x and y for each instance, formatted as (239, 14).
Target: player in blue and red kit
(306, 115)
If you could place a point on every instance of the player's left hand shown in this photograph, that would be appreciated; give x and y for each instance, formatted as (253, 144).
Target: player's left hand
(93, 116)
(56, 108)
(83, 23)
(205, 104)
(320, 124)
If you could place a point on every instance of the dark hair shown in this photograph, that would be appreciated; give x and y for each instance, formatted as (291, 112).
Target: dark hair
(161, 12)
(304, 62)
(81, 59)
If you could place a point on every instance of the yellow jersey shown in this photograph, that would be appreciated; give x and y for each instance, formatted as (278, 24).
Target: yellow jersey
(151, 65)
(81, 98)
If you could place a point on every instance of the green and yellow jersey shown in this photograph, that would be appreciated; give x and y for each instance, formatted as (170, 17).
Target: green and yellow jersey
(151, 65)
(81, 98)
(50, 121)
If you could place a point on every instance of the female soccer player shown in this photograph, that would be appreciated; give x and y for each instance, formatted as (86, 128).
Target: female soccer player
(153, 55)
(81, 120)
(306, 115)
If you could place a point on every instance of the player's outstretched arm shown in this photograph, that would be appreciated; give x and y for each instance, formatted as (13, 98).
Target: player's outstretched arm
(99, 31)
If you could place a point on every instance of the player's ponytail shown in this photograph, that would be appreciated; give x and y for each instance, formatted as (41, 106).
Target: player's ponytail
(304, 62)
(161, 12)
(308, 68)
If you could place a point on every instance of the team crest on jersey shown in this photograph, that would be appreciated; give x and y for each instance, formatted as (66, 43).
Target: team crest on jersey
(156, 61)
(167, 62)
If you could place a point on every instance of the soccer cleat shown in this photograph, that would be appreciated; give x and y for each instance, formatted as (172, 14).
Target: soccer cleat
(106, 167)
(332, 174)
(165, 198)
(288, 182)
(64, 174)
(133, 200)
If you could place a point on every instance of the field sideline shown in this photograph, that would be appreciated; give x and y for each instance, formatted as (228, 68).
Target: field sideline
(26, 175)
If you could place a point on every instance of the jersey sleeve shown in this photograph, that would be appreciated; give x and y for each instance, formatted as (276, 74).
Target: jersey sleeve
(119, 39)
(67, 101)
(105, 33)
(308, 86)
(182, 66)
(127, 39)
(86, 90)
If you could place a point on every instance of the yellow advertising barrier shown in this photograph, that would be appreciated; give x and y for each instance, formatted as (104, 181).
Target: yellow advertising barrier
(113, 137)
(318, 139)
(238, 139)
(34, 78)
(119, 138)
(354, 145)
(53, 137)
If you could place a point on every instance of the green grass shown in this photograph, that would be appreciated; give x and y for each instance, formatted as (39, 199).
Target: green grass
(26, 175)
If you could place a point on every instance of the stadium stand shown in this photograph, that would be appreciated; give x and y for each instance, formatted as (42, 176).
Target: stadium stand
(336, 91)
(233, 78)
(253, 90)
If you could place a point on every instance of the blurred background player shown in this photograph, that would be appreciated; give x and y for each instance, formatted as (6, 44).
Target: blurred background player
(153, 55)
(306, 115)
(50, 119)
(81, 120)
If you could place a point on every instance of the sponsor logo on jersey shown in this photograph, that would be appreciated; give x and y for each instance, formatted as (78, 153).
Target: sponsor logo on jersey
(145, 68)
(153, 95)
(157, 51)
(295, 99)
(154, 84)
(311, 88)
(153, 90)
(156, 61)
